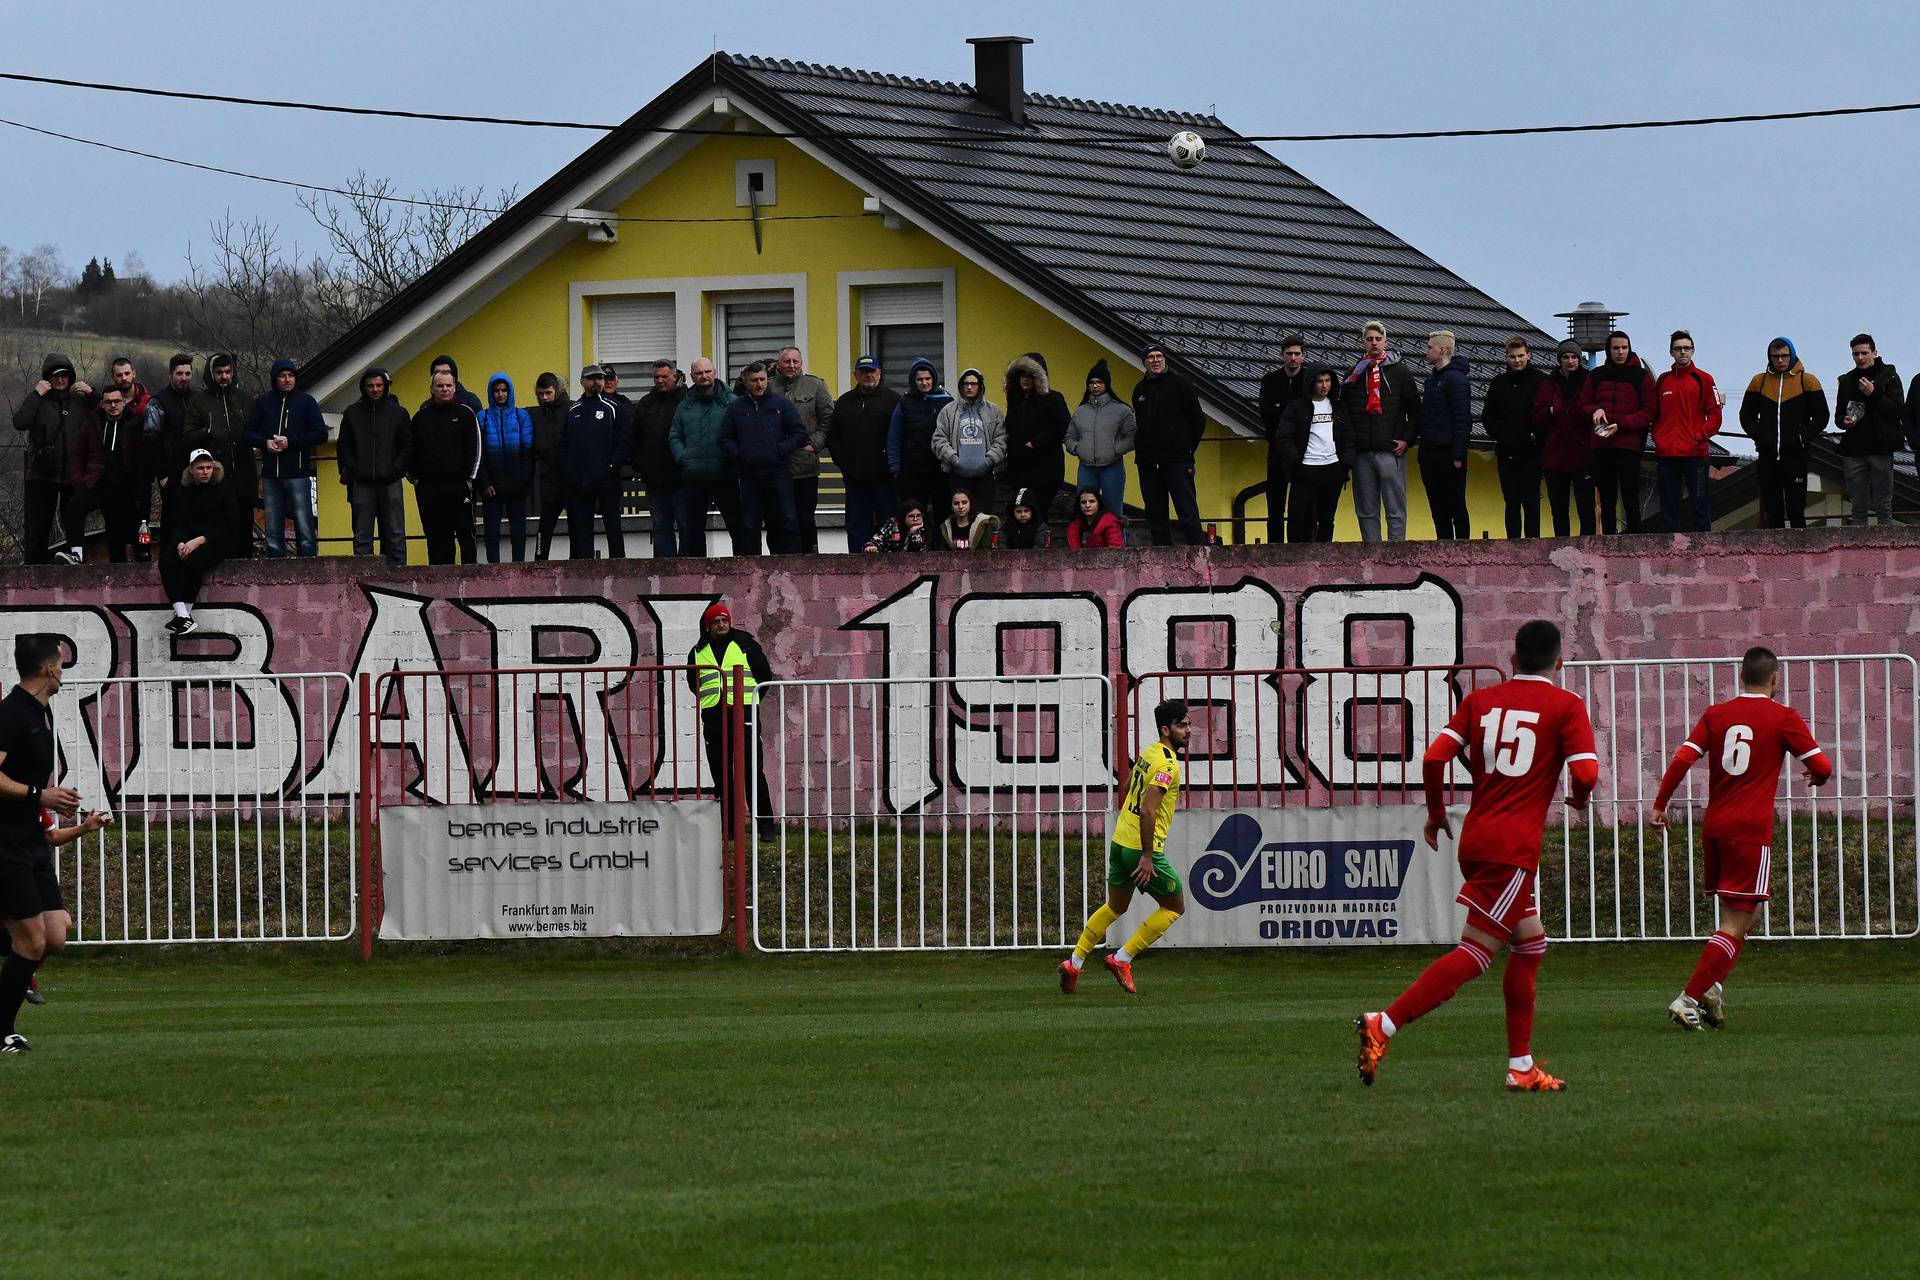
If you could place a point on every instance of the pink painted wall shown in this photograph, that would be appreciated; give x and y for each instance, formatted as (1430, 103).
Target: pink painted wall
(1816, 592)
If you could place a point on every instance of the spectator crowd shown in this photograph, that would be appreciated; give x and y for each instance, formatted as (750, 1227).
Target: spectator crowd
(186, 466)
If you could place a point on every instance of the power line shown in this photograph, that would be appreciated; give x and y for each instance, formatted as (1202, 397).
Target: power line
(960, 133)
(408, 200)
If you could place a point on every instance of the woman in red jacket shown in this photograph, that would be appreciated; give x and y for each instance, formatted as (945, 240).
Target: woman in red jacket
(1094, 526)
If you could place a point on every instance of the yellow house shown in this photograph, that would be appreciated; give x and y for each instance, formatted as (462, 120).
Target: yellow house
(757, 204)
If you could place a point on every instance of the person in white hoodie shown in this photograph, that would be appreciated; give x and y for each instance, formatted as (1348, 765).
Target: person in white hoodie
(970, 439)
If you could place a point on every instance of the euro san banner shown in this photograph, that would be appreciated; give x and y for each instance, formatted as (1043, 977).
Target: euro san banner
(551, 870)
(1301, 876)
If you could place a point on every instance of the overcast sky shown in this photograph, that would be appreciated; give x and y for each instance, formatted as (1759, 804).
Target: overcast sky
(1737, 232)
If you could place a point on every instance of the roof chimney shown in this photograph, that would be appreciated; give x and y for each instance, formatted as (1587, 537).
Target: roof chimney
(998, 80)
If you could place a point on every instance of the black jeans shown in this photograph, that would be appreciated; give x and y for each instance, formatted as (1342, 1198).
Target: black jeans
(806, 504)
(1685, 506)
(1578, 485)
(582, 506)
(1279, 476)
(712, 730)
(552, 503)
(1520, 487)
(1161, 481)
(180, 577)
(446, 518)
(121, 510)
(1314, 499)
(1783, 490)
(1446, 486)
(43, 502)
(1616, 474)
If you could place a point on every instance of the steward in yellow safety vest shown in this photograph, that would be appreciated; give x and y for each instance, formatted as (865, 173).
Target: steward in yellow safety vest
(720, 651)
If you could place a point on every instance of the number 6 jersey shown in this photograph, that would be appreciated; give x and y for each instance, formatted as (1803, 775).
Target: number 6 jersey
(1745, 741)
(1517, 736)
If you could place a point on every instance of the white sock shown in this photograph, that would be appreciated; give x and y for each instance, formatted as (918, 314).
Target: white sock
(1386, 1026)
(79, 553)
(1124, 956)
(1522, 1063)
(181, 609)
(1074, 962)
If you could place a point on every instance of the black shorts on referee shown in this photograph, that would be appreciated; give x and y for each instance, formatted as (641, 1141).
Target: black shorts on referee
(28, 886)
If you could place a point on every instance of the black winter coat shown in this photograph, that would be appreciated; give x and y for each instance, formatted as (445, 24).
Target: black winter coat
(446, 446)
(549, 433)
(1168, 418)
(1399, 416)
(1279, 389)
(52, 423)
(376, 441)
(1040, 420)
(595, 444)
(1295, 428)
(1507, 413)
(210, 511)
(857, 437)
(1882, 424)
(652, 449)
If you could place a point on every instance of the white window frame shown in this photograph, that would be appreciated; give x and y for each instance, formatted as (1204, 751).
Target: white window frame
(690, 296)
(845, 282)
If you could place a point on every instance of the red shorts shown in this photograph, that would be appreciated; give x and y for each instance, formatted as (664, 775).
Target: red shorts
(1741, 871)
(1497, 896)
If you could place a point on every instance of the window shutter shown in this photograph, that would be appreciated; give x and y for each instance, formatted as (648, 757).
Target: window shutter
(634, 331)
(900, 304)
(757, 331)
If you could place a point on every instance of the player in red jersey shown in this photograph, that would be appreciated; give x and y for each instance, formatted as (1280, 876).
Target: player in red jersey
(1516, 736)
(1745, 741)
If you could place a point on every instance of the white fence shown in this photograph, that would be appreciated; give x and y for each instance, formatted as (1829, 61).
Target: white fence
(233, 822)
(941, 813)
(1844, 855)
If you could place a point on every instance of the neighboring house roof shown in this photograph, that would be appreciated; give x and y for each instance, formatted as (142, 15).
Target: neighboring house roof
(1743, 487)
(1084, 208)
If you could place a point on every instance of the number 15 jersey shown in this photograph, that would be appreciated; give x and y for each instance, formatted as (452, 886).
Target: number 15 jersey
(1517, 737)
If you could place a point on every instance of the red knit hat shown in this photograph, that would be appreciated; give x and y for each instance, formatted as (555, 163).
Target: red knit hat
(715, 610)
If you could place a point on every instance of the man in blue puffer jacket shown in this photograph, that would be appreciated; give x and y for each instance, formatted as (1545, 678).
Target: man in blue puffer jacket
(285, 426)
(1446, 428)
(506, 442)
(759, 434)
(593, 448)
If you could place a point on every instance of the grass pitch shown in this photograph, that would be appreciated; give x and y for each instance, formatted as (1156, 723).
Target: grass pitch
(562, 1112)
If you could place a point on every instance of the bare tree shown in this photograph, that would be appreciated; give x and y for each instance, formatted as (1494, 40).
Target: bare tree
(38, 273)
(250, 296)
(381, 244)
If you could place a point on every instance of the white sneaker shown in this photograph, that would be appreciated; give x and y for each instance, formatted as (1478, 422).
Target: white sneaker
(1685, 1012)
(66, 557)
(1713, 1007)
(15, 1043)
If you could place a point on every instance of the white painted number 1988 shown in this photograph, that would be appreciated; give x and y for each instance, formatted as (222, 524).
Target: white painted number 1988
(1507, 741)
(1736, 750)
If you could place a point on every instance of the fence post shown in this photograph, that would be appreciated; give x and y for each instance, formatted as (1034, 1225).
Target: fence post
(368, 808)
(737, 818)
(1121, 756)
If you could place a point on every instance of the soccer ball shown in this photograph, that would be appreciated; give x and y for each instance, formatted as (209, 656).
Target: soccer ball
(1186, 149)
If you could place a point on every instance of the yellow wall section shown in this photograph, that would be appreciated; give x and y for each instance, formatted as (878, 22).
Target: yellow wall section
(524, 331)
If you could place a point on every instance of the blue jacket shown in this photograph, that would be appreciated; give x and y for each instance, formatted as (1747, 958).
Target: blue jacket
(760, 436)
(506, 441)
(1446, 410)
(594, 445)
(910, 434)
(295, 415)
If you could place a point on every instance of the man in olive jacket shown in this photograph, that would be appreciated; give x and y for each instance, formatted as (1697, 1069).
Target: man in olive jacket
(217, 422)
(813, 401)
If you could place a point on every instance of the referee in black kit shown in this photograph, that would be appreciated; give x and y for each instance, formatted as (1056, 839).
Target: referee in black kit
(30, 905)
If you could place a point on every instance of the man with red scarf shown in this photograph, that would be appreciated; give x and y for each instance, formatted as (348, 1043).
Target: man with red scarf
(1383, 413)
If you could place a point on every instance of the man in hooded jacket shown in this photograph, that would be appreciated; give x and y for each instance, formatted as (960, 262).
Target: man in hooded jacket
(970, 439)
(1620, 401)
(375, 445)
(1784, 411)
(217, 422)
(285, 426)
(1037, 420)
(461, 394)
(50, 413)
(910, 457)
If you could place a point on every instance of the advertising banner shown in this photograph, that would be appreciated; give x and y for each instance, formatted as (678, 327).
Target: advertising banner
(552, 870)
(1301, 876)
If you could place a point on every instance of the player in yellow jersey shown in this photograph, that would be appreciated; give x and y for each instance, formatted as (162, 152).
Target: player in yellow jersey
(1136, 857)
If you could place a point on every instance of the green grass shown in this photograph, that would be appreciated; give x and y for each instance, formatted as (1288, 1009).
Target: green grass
(569, 1112)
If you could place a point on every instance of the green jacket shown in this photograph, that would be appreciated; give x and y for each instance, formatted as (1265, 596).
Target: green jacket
(695, 435)
(216, 417)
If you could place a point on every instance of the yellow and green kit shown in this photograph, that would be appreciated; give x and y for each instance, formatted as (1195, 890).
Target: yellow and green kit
(1157, 766)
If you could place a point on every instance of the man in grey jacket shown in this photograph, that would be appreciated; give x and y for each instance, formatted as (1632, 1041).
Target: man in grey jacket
(1101, 436)
(970, 440)
(813, 400)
